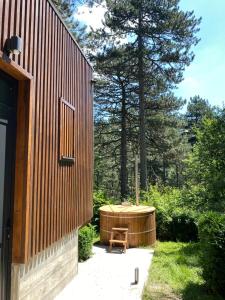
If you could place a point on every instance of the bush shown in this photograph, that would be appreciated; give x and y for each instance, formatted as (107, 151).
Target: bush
(212, 241)
(99, 199)
(174, 222)
(194, 197)
(85, 241)
(183, 226)
(163, 221)
(178, 225)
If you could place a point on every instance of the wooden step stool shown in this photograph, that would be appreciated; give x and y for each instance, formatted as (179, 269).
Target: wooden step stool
(121, 232)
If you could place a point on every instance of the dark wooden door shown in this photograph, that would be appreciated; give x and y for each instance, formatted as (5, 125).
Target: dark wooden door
(8, 96)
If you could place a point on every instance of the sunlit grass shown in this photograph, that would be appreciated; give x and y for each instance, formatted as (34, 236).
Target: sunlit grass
(175, 273)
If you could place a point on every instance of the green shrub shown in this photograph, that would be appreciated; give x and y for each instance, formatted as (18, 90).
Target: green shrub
(194, 197)
(163, 221)
(99, 199)
(85, 241)
(174, 221)
(212, 241)
(178, 225)
(183, 226)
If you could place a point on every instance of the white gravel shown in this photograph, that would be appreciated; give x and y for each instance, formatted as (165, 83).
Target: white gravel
(109, 275)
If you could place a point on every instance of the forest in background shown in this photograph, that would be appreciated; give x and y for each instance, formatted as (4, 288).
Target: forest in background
(139, 56)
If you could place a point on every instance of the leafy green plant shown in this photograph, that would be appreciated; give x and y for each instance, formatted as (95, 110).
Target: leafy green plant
(183, 225)
(85, 241)
(206, 164)
(212, 241)
(193, 197)
(175, 222)
(99, 199)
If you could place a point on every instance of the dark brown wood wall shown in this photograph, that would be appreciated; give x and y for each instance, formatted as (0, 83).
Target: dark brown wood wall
(60, 194)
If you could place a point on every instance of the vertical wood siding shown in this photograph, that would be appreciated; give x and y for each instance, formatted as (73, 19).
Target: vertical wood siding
(61, 195)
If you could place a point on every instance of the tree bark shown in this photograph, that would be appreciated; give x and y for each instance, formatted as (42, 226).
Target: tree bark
(123, 149)
(142, 141)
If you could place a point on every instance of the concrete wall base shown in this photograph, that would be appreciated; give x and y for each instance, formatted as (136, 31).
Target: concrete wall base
(47, 273)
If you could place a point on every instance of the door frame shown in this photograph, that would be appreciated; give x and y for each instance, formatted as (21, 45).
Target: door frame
(8, 121)
(23, 161)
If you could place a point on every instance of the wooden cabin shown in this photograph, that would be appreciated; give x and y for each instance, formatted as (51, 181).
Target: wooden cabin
(46, 152)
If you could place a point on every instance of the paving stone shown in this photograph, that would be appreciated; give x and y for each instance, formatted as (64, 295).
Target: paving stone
(109, 275)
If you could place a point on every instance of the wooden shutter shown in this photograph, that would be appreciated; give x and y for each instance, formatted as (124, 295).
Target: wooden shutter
(66, 131)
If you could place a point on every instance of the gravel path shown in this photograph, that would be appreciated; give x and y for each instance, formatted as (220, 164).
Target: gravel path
(109, 276)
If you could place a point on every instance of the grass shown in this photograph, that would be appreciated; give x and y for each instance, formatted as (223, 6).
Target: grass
(175, 274)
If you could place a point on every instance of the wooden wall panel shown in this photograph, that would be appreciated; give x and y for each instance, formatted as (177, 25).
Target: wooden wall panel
(60, 194)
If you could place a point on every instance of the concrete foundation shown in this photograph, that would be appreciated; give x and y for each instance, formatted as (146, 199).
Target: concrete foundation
(47, 273)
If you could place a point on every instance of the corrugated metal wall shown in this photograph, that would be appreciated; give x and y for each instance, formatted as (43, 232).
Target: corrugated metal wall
(61, 194)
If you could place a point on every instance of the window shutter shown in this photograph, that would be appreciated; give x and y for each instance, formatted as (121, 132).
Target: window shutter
(66, 131)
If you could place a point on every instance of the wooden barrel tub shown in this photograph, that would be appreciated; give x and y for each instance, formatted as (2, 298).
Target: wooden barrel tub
(140, 221)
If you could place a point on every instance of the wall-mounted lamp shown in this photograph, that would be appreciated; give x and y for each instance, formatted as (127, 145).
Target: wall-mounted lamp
(14, 45)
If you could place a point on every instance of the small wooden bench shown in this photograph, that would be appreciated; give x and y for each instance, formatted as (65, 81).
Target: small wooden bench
(118, 231)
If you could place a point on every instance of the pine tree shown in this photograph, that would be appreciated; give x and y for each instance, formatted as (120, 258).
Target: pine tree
(161, 36)
(197, 109)
(114, 98)
(67, 9)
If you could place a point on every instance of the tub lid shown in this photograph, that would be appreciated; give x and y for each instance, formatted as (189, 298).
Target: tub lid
(127, 209)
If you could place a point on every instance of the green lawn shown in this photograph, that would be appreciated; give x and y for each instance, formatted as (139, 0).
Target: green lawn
(175, 274)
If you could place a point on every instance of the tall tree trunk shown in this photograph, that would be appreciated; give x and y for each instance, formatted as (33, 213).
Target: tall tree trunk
(142, 142)
(123, 149)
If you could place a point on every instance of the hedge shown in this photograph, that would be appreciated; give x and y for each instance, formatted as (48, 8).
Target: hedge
(85, 241)
(174, 221)
(178, 225)
(212, 241)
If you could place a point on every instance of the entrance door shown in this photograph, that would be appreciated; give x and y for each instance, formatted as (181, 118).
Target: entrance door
(8, 96)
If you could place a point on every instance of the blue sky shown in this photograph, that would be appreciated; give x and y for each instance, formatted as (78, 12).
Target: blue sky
(206, 75)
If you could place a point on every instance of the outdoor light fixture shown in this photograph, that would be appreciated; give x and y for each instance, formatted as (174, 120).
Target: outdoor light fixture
(14, 45)
(136, 276)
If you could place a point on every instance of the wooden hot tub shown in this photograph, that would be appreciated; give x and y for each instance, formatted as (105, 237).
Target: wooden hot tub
(140, 221)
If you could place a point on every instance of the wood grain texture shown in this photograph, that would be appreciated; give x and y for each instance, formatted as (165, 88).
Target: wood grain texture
(58, 197)
(140, 221)
(23, 166)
